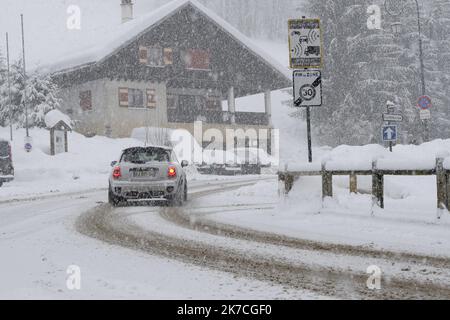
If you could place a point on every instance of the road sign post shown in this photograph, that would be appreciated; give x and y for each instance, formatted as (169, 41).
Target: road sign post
(425, 103)
(389, 133)
(391, 117)
(305, 51)
(305, 43)
(308, 93)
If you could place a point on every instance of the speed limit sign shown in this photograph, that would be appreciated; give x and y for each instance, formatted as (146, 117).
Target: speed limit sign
(307, 88)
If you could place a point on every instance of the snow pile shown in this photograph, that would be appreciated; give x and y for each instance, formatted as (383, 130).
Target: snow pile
(403, 157)
(53, 117)
(85, 166)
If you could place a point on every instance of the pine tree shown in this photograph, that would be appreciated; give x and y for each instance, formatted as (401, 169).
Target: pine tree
(437, 55)
(41, 98)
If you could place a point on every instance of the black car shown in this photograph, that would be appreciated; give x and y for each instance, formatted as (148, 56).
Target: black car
(6, 164)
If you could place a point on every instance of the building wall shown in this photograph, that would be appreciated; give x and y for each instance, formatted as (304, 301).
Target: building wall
(86, 122)
(107, 117)
(124, 120)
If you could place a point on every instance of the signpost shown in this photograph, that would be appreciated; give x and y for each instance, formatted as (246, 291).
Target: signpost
(28, 144)
(392, 117)
(425, 115)
(305, 43)
(425, 105)
(305, 52)
(390, 130)
(307, 88)
(389, 133)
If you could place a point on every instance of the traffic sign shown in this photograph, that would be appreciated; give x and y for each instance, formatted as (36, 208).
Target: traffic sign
(305, 43)
(424, 102)
(389, 133)
(307, 88)
(392, 117)
(425, 114)
(28, 144)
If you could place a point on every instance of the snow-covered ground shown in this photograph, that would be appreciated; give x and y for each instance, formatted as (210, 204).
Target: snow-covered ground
(85, 166)
(408, 224)
(38, 243)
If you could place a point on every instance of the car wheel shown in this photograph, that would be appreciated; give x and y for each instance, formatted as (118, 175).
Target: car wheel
(177, 200)
(112, 199)
(1, 183)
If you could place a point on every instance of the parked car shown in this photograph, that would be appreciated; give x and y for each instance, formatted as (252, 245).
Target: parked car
(6, 162)
(148, 174)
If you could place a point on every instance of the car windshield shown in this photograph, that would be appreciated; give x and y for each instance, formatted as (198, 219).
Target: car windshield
(144, 155)
(4, 149)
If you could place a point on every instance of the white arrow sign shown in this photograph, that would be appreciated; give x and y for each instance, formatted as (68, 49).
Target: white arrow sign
(389, 133)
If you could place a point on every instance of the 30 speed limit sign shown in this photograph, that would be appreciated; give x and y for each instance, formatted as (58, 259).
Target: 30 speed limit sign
(307, 88)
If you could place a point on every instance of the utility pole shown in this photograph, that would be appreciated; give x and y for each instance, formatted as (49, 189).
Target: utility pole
(24, 79)
(399, 8)
(9, 89)
(422, 69)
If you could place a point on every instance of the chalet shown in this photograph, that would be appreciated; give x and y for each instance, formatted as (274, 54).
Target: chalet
(168, 69)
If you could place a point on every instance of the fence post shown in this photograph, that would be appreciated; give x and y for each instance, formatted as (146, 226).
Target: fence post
(441, 180)
(353, 183)
(327, 182)
(377, 186)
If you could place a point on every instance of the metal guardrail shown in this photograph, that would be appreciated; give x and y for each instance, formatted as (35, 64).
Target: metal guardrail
(442, 180)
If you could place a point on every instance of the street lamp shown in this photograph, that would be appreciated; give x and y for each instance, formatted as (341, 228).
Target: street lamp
(395, 8)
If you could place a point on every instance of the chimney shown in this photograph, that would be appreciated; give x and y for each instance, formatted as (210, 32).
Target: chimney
(127, 10)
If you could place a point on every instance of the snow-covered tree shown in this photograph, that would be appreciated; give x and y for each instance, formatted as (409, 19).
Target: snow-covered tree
(41, 98)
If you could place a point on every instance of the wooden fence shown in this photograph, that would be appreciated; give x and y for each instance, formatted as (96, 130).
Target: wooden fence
(442, 180)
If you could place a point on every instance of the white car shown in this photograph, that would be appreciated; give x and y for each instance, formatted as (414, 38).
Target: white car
(148, 174)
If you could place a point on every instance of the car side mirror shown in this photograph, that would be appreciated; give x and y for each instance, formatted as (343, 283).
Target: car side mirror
(113, 163)
(184, 163)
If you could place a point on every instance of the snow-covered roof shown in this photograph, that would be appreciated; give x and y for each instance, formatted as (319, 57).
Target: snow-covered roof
(114, 38)
(53, 117)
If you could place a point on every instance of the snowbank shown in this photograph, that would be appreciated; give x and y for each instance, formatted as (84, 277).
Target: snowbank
(85, 166)
(403, 157)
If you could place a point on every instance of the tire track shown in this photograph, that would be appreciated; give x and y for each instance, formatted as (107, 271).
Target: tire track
(106, 224)
(199, 223)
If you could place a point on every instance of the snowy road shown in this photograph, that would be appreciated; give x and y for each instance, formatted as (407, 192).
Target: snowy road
(38, 242)
(150, 252)
(327, 270)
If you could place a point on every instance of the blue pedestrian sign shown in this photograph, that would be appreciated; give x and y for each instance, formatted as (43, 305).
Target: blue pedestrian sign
(389, 133)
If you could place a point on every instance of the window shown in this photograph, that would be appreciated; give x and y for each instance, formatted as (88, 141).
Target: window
(168, 56)
(86, 100)
(151, 98)
(143, 55)
(145, 155)
(123, 97)
(197, 59)
(213, 104)
(135, 98)
(131, 98)
(155, 57)
(172, 101)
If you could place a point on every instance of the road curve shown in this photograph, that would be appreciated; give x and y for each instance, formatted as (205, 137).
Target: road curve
(112, 226)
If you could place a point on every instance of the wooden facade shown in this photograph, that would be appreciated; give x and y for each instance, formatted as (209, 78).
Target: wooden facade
(199, 63)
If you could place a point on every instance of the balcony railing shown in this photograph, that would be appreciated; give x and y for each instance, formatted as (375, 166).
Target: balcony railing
(219, 117)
